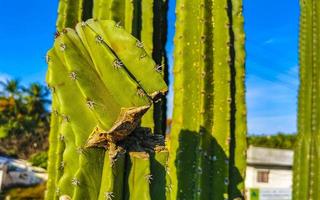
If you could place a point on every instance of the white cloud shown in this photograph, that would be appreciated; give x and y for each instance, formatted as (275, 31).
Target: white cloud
(269, 41)
(4, 77)
(291, 77)
(271, 106)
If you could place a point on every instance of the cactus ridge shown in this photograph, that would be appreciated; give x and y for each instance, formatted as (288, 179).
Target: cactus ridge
(306, 181)
(69, 13)
(66, 91)
(54, 142)
(207, 150)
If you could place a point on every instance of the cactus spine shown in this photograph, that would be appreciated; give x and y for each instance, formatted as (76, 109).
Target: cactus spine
(208, 138)
(306, 184)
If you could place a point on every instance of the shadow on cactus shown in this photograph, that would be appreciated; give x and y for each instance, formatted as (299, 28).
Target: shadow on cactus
(102, 83)
(209, 172)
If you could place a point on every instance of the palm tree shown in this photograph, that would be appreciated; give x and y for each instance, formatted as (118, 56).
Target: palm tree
(36, 98)
(11, 88)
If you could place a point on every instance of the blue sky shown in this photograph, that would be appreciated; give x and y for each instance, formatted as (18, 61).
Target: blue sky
(271, 27)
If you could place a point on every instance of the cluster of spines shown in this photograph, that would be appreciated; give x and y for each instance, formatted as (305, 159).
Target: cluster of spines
(209, 107)
(306, 181)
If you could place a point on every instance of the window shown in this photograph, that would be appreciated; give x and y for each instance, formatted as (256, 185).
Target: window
(263, 176)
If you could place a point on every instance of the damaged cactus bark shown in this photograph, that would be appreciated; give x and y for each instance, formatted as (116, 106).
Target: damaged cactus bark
(101, 87)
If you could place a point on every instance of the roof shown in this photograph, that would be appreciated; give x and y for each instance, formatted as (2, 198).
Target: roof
(4, 160)
(17, 162)
(269, 156)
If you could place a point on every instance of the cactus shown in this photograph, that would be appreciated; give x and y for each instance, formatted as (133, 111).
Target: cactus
(105, 82)
(99, 97)
(145, 19)
(208, 137)
(306, 184)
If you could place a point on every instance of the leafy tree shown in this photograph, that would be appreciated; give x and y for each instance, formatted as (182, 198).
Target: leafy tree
(24, 118)
(11, 87)
(39, 159)
(280, 141)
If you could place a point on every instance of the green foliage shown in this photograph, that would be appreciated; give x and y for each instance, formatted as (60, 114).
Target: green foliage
(279, 141)
(24, 118)
(26, 193)
(3, 131)
(39, 159)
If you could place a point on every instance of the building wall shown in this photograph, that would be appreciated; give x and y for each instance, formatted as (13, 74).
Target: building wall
(278, 178)
(1, 179)
(278, 186)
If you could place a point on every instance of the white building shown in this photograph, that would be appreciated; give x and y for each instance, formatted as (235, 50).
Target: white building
(269, 174)
(19, 172)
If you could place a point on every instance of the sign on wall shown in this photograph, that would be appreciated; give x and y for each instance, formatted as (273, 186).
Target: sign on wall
(270, 194)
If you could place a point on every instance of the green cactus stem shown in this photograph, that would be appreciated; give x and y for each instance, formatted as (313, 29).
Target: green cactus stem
(238, 153)
(65, 91)
(69, 13)
(160, 177)
(207, 150)
(146, 169)
(113, 175)
(138, 176)
(69, 162)
(53, 158)
(306, 183)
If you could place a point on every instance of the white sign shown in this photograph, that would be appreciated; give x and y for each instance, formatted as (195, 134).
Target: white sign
(275, 194)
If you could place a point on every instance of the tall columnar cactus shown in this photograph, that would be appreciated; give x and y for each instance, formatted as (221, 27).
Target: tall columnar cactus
(103, 82)
(146, 20)
(208, 137)
(306, 179)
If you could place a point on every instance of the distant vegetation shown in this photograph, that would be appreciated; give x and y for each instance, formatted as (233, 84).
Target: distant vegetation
(280, 140)
(39, 159)
(24, 119)
(26, 193)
